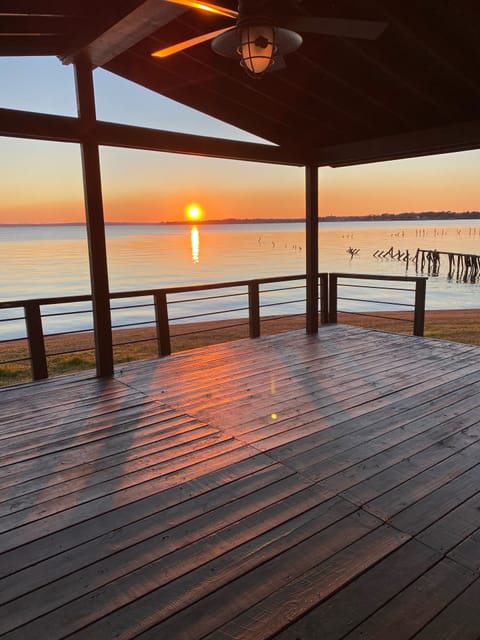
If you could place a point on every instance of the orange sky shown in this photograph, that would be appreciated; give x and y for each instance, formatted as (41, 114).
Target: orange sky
(41, 182)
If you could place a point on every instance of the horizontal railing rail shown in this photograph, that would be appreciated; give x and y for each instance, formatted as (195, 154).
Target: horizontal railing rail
(148, 316)
(151, 310)
(417, 307)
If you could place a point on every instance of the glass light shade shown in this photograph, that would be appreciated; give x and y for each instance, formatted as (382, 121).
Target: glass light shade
(257, 47)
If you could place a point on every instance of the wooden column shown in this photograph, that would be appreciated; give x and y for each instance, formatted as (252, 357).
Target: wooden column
(95, 219)
(311, 192)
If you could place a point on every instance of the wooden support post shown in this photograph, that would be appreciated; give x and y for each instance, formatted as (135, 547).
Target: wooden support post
(419, 319)
(324, 302)
(311, 192)
(163, 328)
(102, 322)
(254, 309)
(36, 342)
(333, 298)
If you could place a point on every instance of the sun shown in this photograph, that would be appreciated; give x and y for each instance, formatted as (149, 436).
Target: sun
(193, 212)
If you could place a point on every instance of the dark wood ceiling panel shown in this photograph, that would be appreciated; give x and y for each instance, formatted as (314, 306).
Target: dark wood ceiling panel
(351, 99)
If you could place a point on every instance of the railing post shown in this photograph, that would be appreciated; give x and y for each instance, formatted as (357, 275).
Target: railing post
(36, 342)
(161, 319)
(332, 296)
(324, 298)
(419, 318)
(254, 309)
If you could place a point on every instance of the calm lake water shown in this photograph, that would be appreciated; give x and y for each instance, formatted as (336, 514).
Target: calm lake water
(43, 261)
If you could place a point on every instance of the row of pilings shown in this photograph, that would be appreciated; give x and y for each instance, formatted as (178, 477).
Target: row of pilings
(463, 267)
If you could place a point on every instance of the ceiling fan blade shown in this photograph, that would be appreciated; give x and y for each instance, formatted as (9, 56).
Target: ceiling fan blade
(206, 6)
(363, 29)
(186, 44)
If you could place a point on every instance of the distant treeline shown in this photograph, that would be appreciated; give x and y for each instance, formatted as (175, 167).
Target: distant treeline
(424, 215)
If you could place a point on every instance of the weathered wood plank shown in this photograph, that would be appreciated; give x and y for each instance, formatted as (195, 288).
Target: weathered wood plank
(362, 597)
(272, 560)
(209, 534)
(459, 621)
(468, 552)
(273, 613)
(416, 605)
(170, 502)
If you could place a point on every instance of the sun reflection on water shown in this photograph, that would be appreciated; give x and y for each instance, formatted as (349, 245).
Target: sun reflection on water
(195, 242)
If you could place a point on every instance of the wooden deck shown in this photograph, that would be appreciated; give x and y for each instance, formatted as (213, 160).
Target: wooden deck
(291, 487)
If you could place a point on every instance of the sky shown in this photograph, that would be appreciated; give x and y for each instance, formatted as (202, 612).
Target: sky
(41, 182)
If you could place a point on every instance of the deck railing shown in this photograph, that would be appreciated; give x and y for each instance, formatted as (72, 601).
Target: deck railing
(147, 321)
(147, 316)
(341, 282)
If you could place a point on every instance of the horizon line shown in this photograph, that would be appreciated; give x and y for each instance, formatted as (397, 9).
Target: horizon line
(405, 216)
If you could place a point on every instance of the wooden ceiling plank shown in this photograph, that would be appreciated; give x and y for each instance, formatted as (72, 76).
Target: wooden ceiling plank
(31, 45)
(43, 7)
(256, 107)
(433, 44)
(40, 25)
(127, 32)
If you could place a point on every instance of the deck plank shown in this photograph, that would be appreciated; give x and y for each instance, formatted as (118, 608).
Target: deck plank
(255, 489)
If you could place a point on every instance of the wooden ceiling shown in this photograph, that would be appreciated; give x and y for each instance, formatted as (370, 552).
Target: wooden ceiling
(413, 91)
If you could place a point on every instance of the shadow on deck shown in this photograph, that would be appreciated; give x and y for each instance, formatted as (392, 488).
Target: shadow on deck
(290, 487)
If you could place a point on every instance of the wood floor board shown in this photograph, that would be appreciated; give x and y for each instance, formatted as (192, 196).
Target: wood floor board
(174, 505)
(467, 553)
(361, 598)
(360, 432)
(243, 422)
(457, 525)
(252, 570)
(127, 472)
(366, 460)
(214, 394)
(289, 487)
(460, 620)
(192, 519)
(421, 513)
(459, 454)
(20, 535)
(408, 612)
(169, 550)
(267, 433)
(52, 416)
(50, 470)
(120, 421)
(193, 386)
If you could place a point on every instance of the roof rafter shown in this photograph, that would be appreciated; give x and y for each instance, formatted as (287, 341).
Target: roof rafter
(144, 20)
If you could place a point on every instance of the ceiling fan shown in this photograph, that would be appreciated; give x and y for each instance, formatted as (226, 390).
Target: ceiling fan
(262, 35)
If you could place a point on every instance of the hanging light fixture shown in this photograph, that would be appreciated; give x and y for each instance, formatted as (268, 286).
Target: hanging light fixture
(258, 44)
(257, 48)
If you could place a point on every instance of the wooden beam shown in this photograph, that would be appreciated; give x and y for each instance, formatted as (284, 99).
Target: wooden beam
(127, 32)
(464, 136)
(311, 193)
(95, 220)
(40, 126)
(117, 135)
